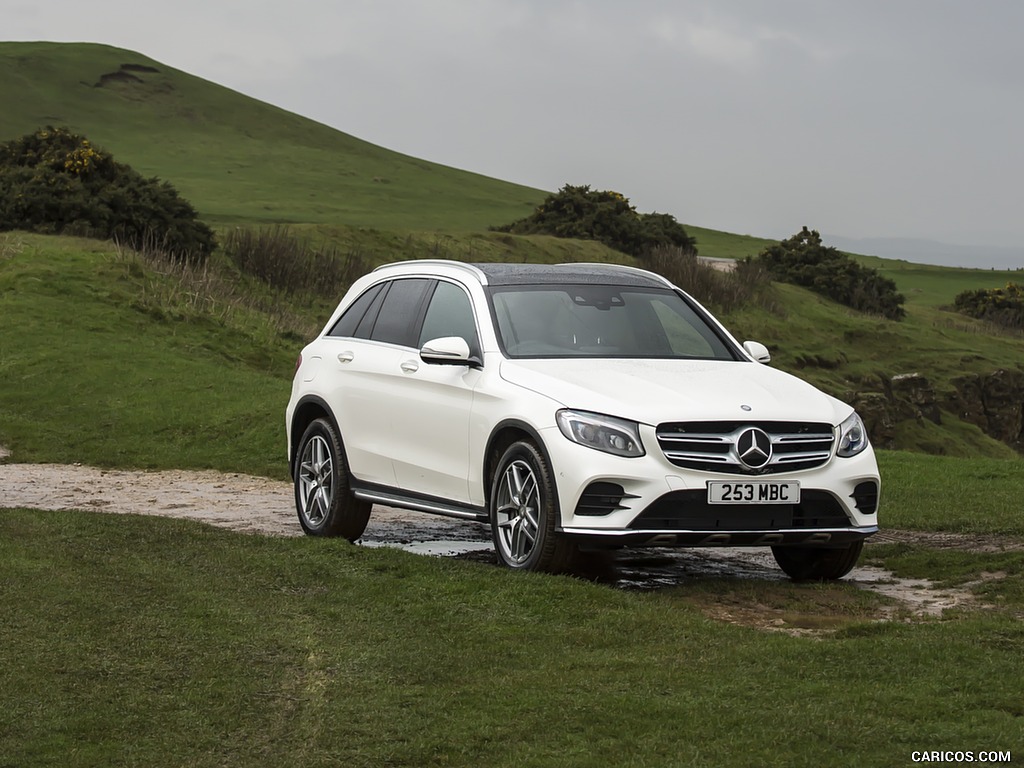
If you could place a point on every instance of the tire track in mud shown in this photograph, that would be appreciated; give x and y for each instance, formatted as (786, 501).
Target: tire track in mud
(260, 505)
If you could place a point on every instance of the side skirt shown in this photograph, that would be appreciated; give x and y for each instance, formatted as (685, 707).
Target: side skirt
(397, 498)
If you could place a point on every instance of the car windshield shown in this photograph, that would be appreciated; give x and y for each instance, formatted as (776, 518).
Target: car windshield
(602, 321)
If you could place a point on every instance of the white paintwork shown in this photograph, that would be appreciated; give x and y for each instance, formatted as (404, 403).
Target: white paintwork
(423, 428)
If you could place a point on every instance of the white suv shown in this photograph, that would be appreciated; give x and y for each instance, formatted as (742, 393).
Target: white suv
(576, 405)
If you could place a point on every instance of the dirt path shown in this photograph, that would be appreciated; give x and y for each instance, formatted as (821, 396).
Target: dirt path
(262, 506)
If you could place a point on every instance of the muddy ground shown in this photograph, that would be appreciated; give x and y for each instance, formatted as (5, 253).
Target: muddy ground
(748, 587)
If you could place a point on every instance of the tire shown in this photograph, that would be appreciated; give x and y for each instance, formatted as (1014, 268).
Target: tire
(323, 498)
(817, 563)
(524, 512)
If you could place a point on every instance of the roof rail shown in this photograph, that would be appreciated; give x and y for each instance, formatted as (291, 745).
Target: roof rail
(622, 268)
(470, 268)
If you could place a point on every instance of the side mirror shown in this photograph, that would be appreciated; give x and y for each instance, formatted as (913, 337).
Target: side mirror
(758, 351)
(448, 350)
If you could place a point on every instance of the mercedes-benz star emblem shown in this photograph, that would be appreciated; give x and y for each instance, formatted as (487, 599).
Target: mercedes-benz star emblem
(754, 448)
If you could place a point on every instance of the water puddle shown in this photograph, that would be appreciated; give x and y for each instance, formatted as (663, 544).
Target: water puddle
(645, 570)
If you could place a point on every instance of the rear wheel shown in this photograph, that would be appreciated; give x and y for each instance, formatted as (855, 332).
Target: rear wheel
(323, 498)
(817, 563)
(524, 512)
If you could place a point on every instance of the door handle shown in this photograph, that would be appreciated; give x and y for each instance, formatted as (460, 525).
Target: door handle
(346, 357)
(410, 366)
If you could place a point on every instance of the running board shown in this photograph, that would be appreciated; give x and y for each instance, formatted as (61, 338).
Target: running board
(430, 506)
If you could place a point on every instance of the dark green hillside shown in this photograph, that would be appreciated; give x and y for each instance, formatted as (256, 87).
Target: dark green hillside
(235, 158)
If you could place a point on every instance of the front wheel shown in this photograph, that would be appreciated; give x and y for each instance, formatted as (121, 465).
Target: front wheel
(817, 563)
(323, 498)
(524, 512)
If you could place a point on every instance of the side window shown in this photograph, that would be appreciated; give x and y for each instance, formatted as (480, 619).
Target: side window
(366, 324)
(400, 312)
(347, 323)
(449, 314)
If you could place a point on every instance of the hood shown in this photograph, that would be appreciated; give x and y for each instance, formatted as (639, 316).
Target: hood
(653, 391)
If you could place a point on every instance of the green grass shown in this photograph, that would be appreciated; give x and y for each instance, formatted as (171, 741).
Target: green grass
(938, 493)
(91, 372)
(726, 245)
(202, 647)
(933, 286)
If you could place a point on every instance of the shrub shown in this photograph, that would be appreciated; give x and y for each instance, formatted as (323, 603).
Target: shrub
(605, 216)
(55, 181)
(1002, 306)
(285, 261)
(803, 260)
(721, 291)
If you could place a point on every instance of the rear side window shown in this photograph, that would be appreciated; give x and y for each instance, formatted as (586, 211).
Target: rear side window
(349, 321)
(401, 311)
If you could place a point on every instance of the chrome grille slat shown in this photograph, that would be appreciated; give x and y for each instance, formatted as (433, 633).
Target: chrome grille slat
(716, 457)
(693, 438)
(711, 446)
(789, 458)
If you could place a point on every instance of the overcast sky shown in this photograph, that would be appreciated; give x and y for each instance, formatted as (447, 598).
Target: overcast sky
(865, 118)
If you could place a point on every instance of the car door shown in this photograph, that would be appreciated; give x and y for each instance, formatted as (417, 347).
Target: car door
(433, 412)
(364, 352)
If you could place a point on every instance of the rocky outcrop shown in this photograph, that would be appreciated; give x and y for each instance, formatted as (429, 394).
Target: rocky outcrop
(994, 402)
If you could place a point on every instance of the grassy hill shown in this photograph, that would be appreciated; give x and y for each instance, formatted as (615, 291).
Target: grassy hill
(243, 162)
(236, 158)
(239, 160)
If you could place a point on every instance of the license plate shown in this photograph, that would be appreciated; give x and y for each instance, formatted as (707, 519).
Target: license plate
(754, 493)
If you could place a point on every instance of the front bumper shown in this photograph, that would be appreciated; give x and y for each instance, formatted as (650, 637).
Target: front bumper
(661, 504)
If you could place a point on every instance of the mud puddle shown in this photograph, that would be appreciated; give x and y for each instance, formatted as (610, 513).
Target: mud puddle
(754, 569)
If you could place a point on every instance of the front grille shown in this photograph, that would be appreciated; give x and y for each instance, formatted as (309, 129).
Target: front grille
(690, 511)
(711, 446)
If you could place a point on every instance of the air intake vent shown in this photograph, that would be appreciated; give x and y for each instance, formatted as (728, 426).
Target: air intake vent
(865, 497)
(725, 446)
(601, 499)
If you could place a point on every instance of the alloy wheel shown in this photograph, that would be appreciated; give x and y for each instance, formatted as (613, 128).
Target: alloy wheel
(518, 506)
(316, 486)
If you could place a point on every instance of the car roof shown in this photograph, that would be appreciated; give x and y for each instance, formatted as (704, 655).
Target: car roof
(504, 274)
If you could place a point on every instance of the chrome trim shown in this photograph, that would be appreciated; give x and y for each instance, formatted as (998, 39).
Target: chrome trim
(806, 532)
(731, 458)
(434, 508)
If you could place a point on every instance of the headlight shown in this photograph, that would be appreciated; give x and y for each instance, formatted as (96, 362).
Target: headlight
(602, 433)
(853, 437)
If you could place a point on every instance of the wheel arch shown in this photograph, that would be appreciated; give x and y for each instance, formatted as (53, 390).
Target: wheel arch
(504, 434)
(307, 410)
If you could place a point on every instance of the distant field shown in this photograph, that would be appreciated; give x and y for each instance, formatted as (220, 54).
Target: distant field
(933, 286)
